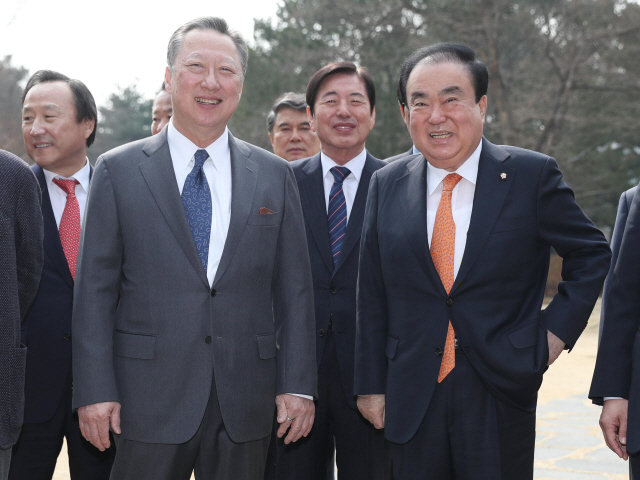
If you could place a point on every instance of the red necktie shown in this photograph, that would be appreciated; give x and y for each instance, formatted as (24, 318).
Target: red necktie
(69, 229)
(442, 252)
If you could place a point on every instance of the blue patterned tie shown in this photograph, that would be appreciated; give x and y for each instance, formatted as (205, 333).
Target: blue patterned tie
(196, 198)
(337, 212)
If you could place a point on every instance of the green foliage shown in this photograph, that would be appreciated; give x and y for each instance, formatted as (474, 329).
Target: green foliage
(11, 107)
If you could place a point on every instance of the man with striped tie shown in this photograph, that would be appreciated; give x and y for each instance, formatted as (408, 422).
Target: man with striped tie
(333, 189)
(451, 341)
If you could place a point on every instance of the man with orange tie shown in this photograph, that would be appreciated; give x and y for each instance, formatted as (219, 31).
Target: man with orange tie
(451, 341)
(58, 124)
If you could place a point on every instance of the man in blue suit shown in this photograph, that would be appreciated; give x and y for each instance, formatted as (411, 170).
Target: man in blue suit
(333, 188)
(58, 124)
(451, 341)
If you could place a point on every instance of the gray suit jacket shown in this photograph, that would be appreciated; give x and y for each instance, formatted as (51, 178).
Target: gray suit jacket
(149, 332)
(21, 258)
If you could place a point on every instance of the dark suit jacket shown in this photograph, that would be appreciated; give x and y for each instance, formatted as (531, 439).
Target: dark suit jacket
(334, 290)
(150, 332)
(399, 156)
(495, 302)
(20, 269)
(616, 239)
(618, 362)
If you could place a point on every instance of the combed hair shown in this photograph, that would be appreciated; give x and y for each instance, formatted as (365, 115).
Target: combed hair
(293, 100)
(446, 52)
(334, 69)
(207, 23)
(85, 104)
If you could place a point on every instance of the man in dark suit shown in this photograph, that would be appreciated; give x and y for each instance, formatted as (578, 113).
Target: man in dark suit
(333, 190)
(194, 309)
(58, 124)
(614, 385)
(21, 260)
(451, 343)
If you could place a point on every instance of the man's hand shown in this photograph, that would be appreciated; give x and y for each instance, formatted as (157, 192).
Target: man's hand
(95, 420)
(556, 346)
(372, 408)
(297, 413)
(613, 422)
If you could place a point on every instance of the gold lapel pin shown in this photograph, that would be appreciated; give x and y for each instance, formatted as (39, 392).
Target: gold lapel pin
(503, 176)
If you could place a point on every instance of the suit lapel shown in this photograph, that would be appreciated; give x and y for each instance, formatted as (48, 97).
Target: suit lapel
(244, 177)
(412, 189)
(314, 207)
(356, 218)
(160, 177)
(491, 192)
(52, 243)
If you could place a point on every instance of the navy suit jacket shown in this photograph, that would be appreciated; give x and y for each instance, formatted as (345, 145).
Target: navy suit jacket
(46, 330)
(618, 362)
(521, 209)
(334, 289)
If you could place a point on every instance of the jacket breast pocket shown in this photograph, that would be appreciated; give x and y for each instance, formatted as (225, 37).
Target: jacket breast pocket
(134, 345)
(391, 347)
(267, 347)
(265, 220)
(510, 224)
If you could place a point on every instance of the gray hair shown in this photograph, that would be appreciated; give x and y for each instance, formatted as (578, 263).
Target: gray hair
(296, 101)
(207, 23)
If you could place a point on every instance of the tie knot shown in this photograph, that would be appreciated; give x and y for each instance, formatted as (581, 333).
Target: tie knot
(69, 186)
(450, 181)
(340, 173)
(200, 156)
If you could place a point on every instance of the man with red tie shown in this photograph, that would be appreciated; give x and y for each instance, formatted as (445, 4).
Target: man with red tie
(451, 341)
(58, 124)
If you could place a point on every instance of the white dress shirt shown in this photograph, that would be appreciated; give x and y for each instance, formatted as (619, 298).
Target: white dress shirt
(349, 184)
(217, 169)
(58, 196)
(461, 201)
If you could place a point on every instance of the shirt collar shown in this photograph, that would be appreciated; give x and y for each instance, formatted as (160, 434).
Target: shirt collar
(185, 149)
(468, 170)
(414, 150)
(355, 165)
(83, 176)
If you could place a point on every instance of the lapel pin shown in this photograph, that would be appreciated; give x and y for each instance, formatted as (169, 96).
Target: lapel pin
(503, 176)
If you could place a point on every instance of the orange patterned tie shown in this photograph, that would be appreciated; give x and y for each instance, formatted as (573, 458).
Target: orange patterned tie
(442, 252)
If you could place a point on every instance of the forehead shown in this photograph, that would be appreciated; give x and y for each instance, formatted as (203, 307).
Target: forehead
(56, 94)
(343, 84)
(290, 115)
(431, 77)
(205, 43)
(163, 99)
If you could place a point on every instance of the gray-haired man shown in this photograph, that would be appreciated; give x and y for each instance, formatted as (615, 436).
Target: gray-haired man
(289, 130)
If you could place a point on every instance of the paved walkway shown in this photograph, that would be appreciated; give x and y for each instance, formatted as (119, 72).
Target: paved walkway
(570, 445)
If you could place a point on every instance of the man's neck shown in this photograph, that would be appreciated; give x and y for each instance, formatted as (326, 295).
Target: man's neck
(342, 156)
(69, 169)
(202, 137)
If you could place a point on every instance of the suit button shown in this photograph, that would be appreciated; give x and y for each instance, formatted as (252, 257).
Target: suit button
(321, 332)
(213, 292)
(333, 290)
(207, 339)
(438, 351)
(450, 302)
(67, 336)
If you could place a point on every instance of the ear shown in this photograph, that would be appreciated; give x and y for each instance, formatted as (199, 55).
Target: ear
(89, 125)
(483, 107)
(373, 118)
(312, 121)
(405, 114)
(167, 80)
(271, 140)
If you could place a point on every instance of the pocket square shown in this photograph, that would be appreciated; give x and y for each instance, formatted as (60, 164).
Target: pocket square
(264, 211)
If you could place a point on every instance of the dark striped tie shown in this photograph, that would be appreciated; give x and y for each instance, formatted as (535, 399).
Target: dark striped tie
(337, 214)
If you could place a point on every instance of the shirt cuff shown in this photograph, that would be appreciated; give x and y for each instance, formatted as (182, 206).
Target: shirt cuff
(308, 397)
(611, 398)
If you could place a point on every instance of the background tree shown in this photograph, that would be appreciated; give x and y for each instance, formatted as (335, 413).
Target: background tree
(11, 107)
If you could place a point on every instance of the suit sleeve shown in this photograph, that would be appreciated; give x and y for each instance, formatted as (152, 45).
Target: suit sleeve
(612, 375)
(584, 250)
(293, 309)
(616, 240)
(29, 233)
(372, 317)
(96, 294)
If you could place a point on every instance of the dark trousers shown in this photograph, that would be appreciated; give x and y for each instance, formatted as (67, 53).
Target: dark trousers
(211, 453)
(361, 451)
(468, 434)
(634, 467)
(36, 452)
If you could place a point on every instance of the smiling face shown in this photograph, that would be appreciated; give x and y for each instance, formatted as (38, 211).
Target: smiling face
(443, 116)
(342, 116)
(205, 85)
(292, 137)
(161, 112)
(52, 135)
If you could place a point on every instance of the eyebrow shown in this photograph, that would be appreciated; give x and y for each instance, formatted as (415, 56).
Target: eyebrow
(46, 107)
(354, 94)
(444, 91)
